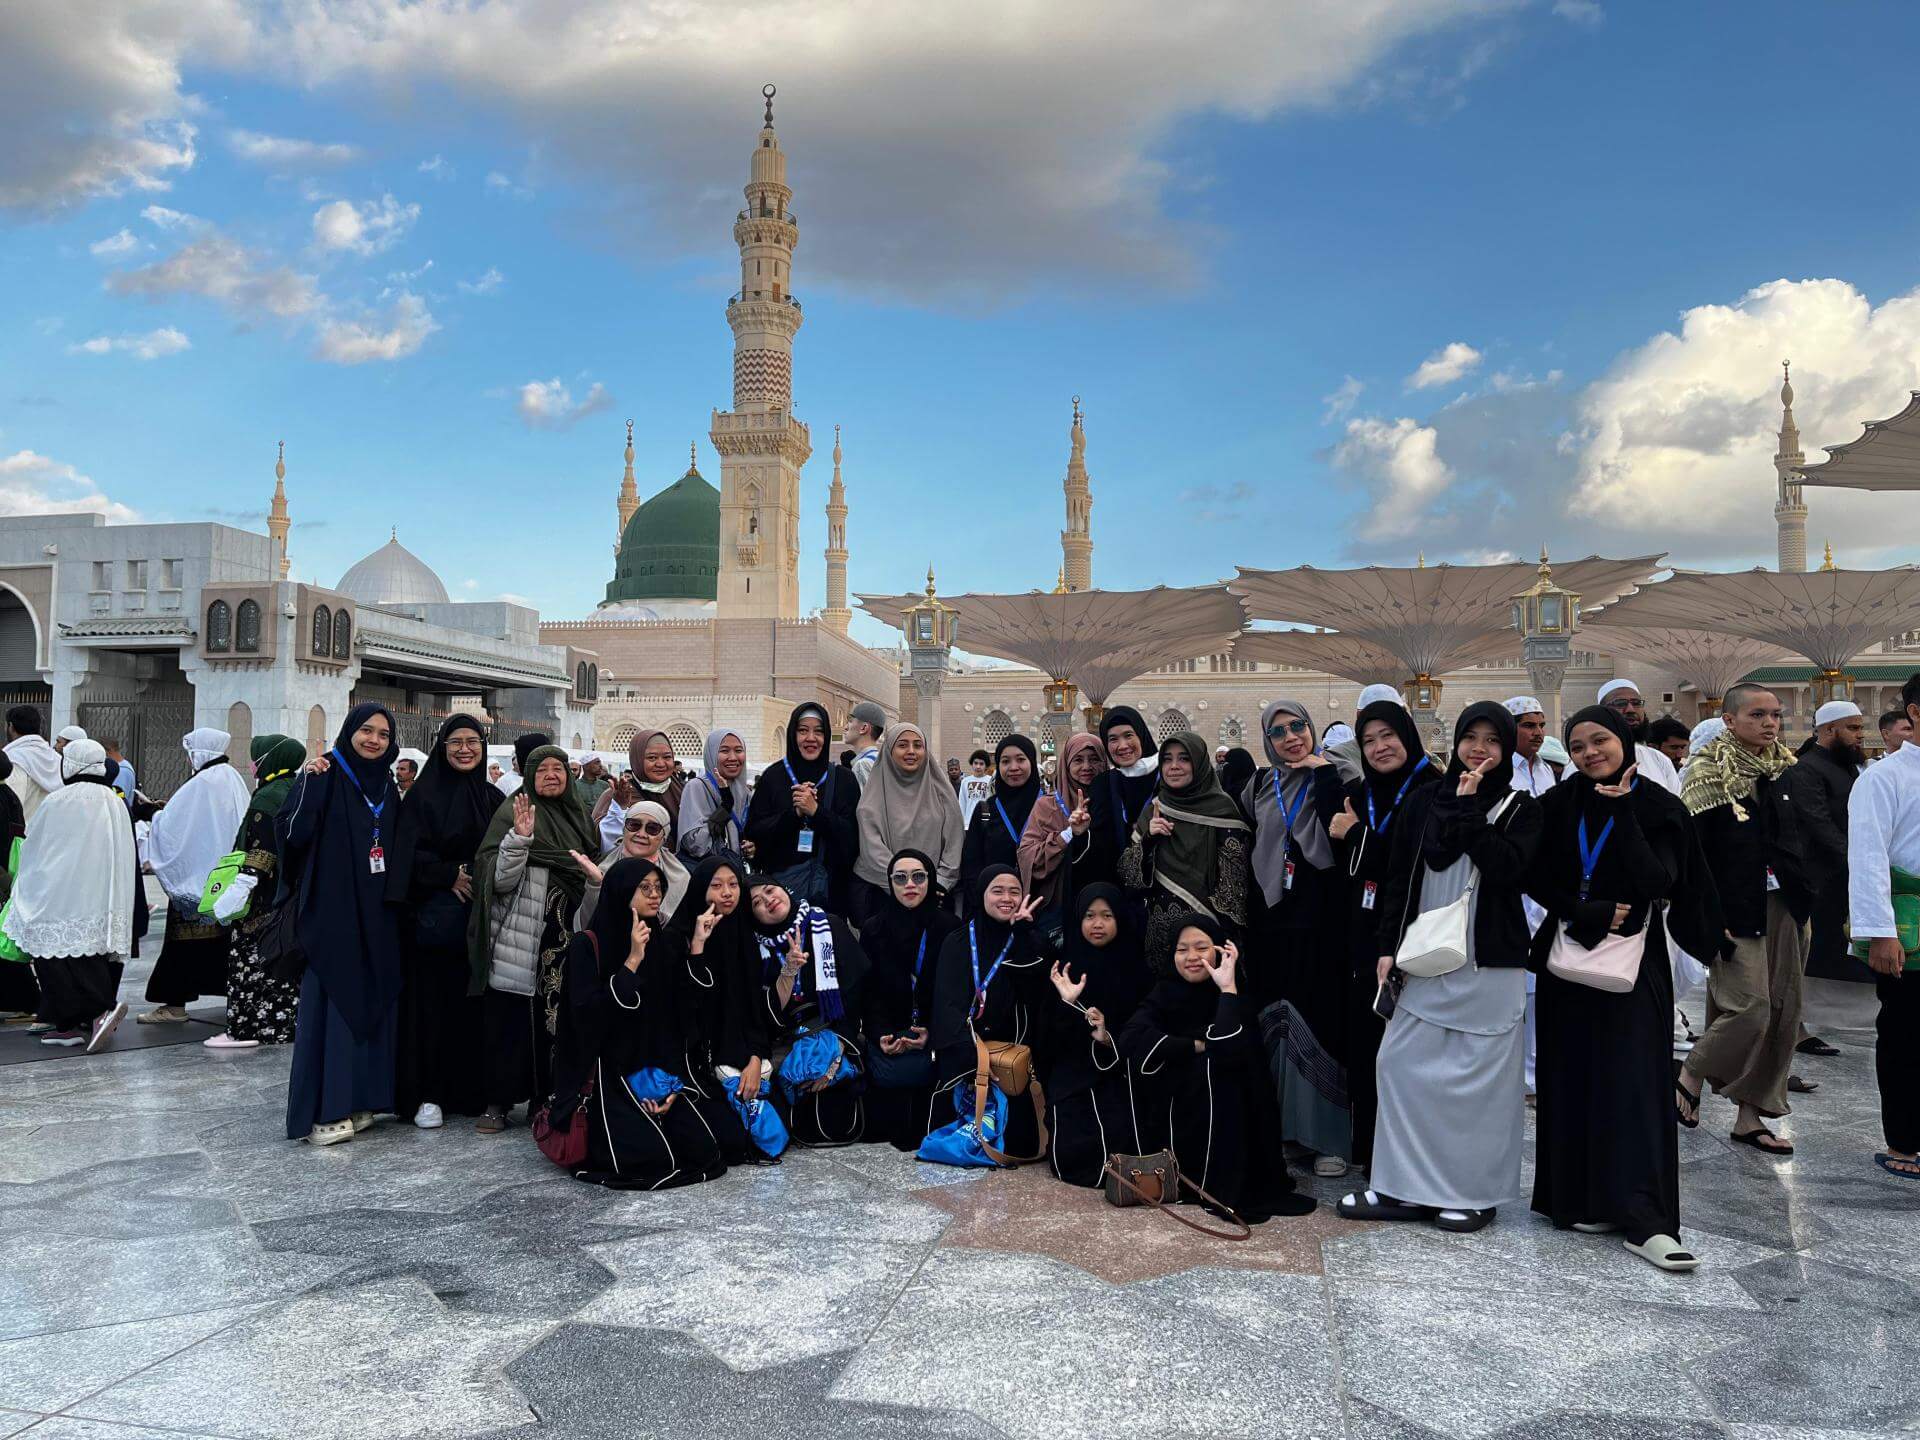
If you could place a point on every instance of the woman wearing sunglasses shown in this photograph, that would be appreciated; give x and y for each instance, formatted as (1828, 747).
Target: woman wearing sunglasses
(903, 942)
(643, 836)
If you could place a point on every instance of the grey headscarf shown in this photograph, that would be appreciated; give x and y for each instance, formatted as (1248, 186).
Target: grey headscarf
(697, 803)
(1272, 845)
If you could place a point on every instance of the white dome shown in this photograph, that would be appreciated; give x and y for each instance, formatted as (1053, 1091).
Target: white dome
(393, 575)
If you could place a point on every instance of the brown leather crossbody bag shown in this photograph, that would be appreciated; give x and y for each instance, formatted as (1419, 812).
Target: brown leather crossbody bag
(1156, 1180)
(1010, 1066)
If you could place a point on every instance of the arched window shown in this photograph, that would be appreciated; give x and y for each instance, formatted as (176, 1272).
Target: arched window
(322, 630)
(219, 626)
(688, 743)
(623, 735)
(1231, 731)
(317, 738)
(342, 635)
(247, 637)
(1171, 721)
(995, 726)
(580, 680)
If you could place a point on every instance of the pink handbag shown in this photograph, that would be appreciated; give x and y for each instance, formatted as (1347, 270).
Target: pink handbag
(1613, 965)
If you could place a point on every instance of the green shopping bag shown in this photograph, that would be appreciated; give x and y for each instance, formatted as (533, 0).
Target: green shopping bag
(1906, 918)
(9, 950)
(225, 870)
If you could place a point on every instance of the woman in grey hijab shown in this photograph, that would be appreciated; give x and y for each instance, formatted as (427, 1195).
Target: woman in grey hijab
(713, 808)
(1298, 969)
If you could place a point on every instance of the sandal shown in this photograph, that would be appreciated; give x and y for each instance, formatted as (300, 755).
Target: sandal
(1371, 1205)
(1802, 1087)
(1814, 1045)
(493, 1122)
(1595, 1227)
(1687, 1108)
(1752, 1138)
(331, 1134)
(1663, 1252)
(1465, 1222)
(1892, 1163)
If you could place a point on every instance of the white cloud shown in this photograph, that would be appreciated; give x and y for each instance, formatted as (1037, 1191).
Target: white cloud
(121, 243)
(1580, 12)
(219, 268)
(1340, 403)
(401, 331)
(150, 346)
(549, 404)
(34, 484)
(363, 229)
(485, 284)
(437, 167)
(1397, 463)
(278, 150)
(1444, 366)
(165, 219)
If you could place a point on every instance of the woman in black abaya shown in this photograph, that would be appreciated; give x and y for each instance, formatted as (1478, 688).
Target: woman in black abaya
(1606, 1153)
(993, 835)
(1098, 1107)
(1116, 797)
(623, 1011)
(903, 943)
(442, 1027)
(812, 972)
(804, 820)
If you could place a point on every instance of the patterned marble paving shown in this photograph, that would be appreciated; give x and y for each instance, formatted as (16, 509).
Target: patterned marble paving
(173, 1267)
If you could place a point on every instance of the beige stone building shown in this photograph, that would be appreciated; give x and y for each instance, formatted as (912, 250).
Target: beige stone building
(701, 624)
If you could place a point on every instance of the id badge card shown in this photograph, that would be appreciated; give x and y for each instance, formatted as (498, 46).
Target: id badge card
(1773, 880)
(1287, 884)
(804, 846)
(377, 860)
(1369, 892)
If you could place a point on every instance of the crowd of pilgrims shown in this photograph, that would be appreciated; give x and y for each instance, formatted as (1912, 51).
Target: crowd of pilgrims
(1200, 958)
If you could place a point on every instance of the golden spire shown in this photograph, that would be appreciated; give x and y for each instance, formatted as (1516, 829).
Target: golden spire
(1828, 564)
(629, 500)
(929, 579)
(1060, 584)
(393, 535)
(693, 455)
(1420, 559)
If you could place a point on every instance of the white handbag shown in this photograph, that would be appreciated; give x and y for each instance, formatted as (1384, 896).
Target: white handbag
(1436, 942)
(1613, 965)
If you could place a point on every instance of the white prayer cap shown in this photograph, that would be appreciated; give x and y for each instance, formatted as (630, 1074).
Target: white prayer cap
(1705, 733)
(72, 732)
(1552, 749)
(1375, 693)
(1338, 733)
(418, 757)
(1520, 705)
(83, 757)
(1834, 710)
(1613, 685)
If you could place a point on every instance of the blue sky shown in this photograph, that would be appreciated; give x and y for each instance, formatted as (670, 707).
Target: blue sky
(1238, 248)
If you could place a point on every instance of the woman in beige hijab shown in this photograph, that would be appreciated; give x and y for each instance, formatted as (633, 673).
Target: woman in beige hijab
(904, 806)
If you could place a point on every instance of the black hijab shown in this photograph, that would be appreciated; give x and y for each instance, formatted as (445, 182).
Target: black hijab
(1115, 800)
(590, 1027)
(804, 769)
(1128, 716)
(447, 810)
(1384, 785)
(1116, 973)
(989, 931)
(1497, 782)
(1236, 771)
(523, 747)
(893, 936)
(375, 775)
(1018, 801)
(1186, 1008)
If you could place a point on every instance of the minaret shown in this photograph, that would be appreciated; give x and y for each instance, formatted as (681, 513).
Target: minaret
(629, 494)
(762, 447)
(1076, 541)
(1790, 510)
(278, 521)
(836, 616)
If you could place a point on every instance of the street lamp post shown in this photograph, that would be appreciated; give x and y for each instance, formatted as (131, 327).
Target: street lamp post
(1546, 617)
(931, 628)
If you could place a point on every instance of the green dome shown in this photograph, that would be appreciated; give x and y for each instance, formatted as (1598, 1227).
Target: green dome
(670, 549)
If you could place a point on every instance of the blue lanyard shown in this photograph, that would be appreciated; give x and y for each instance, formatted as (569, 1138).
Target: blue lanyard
(340, 763)
(980, 986)
(919, 960)
(1379, 827)
(1590, 856)
(1288, 811)
(1013, 833)
(806, 821)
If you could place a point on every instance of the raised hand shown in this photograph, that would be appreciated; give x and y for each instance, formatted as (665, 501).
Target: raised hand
(1614, 792)
(319, 765)
(1343, 822)
(703, 928)
(1222, 971)
(1025, 912)
(522, 815)
(1080, 819)
(587, 868)
(1070, 989)
(1470, 779)
(1159, 825)
(796, 957)
(637, 943)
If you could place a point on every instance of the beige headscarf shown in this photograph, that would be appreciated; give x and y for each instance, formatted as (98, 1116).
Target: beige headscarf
(899, 812)
(670, 864)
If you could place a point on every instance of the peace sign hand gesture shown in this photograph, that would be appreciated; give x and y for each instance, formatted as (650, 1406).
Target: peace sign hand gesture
(1470, 779)
(1614, 792)
(1025, 912)
(522, 816)
(796, 957)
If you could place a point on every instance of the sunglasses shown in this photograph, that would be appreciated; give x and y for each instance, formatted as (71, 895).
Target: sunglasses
(1286, 728)
(908, 877)
(645, 827)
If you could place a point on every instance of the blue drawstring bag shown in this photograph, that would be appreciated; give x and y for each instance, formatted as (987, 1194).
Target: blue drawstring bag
(812, 1056)
(764, 1126)
(958, 1143)
(653, 1084)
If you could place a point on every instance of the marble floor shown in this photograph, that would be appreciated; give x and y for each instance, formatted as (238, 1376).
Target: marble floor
(171, 1266)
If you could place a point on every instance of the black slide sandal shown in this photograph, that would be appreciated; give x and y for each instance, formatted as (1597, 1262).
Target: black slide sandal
(1751, 1138)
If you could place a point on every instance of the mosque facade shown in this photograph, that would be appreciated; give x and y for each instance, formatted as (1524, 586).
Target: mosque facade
(701, 624)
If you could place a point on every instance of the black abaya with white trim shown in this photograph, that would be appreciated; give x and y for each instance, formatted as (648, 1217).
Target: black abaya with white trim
(1097, 1104)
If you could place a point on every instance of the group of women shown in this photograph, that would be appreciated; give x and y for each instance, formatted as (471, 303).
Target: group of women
(693, 979)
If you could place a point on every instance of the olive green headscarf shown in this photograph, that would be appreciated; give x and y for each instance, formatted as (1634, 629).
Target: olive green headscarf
(560, 826)
(276, 765)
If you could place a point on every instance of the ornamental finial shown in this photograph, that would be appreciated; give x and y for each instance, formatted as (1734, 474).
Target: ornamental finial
(769, 91)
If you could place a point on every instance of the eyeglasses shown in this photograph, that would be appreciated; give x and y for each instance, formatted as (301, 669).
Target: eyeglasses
(908, 877)
(645, 827)
(473, 744)
(1286, 728)
(651, 888)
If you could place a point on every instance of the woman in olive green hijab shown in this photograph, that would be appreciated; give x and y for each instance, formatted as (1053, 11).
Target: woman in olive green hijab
(260, 1009)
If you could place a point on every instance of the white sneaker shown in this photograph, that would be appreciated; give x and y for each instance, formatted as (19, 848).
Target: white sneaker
(224, 1041)
(330, 1134)
(1330, 1166)
(428, 1117)
(103, 1028)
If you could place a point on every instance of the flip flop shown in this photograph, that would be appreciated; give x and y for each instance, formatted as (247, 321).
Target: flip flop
(1663, 1252)
(1814, 1045)
(1686, 1098)
(1887, 1163)
(1751, 1138)
(1371, 1205)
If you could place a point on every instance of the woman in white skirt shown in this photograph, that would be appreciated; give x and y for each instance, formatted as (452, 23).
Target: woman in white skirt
(1452, 1066)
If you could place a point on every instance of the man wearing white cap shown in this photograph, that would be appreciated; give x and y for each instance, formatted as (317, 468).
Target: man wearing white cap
(66, 737)
(1819, 787)
(1623, 698)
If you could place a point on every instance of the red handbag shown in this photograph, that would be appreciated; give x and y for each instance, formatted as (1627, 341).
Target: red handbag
(566, 1147)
